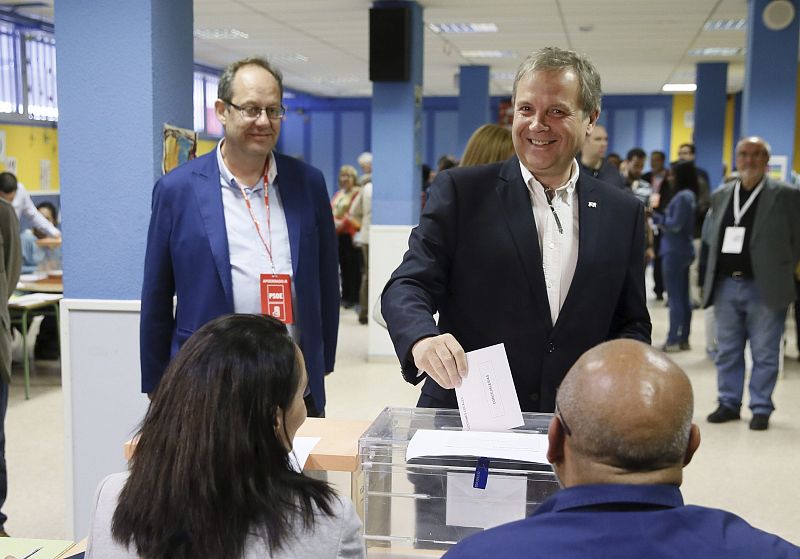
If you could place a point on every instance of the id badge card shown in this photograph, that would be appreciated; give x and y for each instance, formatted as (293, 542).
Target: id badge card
(733, 241)
(276, 297)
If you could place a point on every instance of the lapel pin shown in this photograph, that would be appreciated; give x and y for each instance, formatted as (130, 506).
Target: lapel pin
(592, 204)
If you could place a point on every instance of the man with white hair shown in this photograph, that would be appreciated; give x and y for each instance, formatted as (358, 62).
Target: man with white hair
(365, 162)
(754, 247)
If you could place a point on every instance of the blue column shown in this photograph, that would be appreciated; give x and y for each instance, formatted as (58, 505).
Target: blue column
(473, 101)
(770, 88)
(709, 118)
(397, 137)
(124, 69)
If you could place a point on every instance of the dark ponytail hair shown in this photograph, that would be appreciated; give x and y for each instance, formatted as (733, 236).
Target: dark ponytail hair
(209, 469)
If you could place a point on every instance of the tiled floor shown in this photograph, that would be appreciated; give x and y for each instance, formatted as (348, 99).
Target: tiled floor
(752, 474)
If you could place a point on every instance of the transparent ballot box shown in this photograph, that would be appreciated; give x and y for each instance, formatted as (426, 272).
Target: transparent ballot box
(422, 506)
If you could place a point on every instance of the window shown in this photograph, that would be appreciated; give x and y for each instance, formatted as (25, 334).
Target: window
(40, 50)
(28, 80)
(10, 90)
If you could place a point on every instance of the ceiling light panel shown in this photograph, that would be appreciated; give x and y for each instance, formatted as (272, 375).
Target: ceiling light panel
(488, 54)
(732, 24)
(228, 33)
(717, 51)
(463, 27)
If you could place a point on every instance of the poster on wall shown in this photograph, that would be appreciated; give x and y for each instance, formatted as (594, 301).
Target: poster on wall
(180, 145)
(44, 174)
(11, 165)
(777, 167)
(2, 146)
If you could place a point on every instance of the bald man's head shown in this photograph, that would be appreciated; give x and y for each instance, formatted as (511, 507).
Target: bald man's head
(629, 411)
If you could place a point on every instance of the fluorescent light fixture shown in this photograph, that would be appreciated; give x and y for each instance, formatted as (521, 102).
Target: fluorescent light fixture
(681, 87)
(287, 57)
(488, 54)
(717, 51)
(725, 24)
(463, 27)
(503, 76)
(220, 34)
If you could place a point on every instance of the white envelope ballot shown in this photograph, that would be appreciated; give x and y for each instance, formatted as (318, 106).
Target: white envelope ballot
(487, 399)
(301, 449)
(502, 501)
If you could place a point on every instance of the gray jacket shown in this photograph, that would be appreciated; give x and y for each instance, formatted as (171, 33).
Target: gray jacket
(10, 263)
(333, 537)
(774, 242)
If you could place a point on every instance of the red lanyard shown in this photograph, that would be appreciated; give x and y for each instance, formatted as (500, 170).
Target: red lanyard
(268, 241)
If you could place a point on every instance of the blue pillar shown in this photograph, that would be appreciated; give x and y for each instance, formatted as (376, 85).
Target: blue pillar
(709, 118)
(124, 69)
(473, 101)
(397, 136)
(770, 88)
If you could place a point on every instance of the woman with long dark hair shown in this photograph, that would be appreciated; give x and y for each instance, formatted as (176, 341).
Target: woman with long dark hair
(211, 475)
(677, 251)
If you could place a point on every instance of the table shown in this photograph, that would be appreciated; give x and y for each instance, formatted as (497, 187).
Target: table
(50, 284)
(26, 304)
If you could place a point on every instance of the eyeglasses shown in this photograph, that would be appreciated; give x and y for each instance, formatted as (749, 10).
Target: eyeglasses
(563, 421)
(253, 113)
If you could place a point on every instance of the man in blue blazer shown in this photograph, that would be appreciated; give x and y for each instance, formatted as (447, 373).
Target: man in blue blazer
(229, 223)
(532, 252)
(618, 443)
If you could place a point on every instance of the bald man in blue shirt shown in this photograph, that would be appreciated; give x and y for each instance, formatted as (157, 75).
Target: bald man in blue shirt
(619, 440)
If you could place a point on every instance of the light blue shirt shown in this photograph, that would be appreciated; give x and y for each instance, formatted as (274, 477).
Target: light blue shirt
(248, 256)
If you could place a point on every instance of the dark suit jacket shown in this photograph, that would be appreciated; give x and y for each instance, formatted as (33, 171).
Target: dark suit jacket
(10, 264)
(774, 242)
(187, 255)
(475, 259)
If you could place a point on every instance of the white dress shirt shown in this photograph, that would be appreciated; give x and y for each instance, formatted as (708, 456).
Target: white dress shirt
(24, 206)
(559, 249)
(248, 256)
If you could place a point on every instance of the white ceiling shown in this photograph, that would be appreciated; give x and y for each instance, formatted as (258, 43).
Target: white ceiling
(637, 45)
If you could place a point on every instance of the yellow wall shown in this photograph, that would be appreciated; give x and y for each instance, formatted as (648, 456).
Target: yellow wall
(205, 146)
(681, 134)
(727, 140)
(30, 145)
(796, 158)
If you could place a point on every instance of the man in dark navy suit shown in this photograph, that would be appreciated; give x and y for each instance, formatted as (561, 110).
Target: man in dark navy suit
(242, 229)
(531, 252)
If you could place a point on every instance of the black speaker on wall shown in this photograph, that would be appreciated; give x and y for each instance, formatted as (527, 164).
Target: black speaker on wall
(390, 44)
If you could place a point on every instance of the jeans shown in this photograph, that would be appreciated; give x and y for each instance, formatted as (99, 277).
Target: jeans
(742, 315)
(676, 280)
(3, 472)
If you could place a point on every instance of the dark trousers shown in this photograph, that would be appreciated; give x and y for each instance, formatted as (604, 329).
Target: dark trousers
(657, 268)
(676, 278)
(3, 472)
(350, 266)
(797, 311)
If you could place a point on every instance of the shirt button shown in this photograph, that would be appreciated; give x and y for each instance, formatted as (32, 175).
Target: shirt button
(551, 347)
(534, 397)
(552, 245)
(549, 285)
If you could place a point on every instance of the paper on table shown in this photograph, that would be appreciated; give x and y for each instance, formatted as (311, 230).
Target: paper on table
(35, 298)
(20, 547)
(525, 447)
(487, 399)
(502, 501)
(301, 448)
